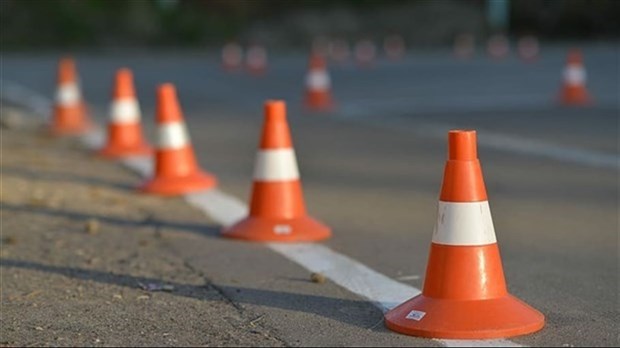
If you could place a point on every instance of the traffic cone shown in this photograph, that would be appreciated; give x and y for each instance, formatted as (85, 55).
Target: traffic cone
(277, 209)
(318, 85)
(394, 47)
(339, 50)
(69, 114)
(498, 46)
(176, 169)
(124, 130)
(464, 294)
(528, 48)
(365, 53)
(256, 60)
(574, 87)
(232, 56)
(464, 46)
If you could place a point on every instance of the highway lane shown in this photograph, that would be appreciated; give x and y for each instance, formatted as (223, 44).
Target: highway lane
(369, 174)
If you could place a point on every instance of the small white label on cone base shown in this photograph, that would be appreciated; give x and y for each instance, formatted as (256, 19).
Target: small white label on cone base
(68, 94)
(415, 315)
(318, 80)
(172, 135)
(276, 165)
(282, 229)
(575, 75)
(464, 223)
(125, 111)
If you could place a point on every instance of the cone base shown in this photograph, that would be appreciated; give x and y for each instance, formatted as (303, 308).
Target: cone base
(259, 229)
(114, 151)
(575, 97)
(70, 130)
(174, 186)
(465, 319)
(320, 106)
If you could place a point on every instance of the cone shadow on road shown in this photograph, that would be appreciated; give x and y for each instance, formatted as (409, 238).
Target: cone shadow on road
(204, 230)
(353, 312)
(64, 177)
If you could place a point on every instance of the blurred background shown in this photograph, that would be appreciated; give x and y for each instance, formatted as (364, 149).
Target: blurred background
(147, 23)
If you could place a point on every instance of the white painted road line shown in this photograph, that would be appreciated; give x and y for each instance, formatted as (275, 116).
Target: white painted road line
(354, 276)
(499, 141)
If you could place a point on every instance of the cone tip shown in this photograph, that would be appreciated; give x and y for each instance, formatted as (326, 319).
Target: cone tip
(66, 70)
(168, 108)
(275, 110)
(123, 87)
(462, 145)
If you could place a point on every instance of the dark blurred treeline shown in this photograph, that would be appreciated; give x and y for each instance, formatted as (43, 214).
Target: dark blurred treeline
(146, 23)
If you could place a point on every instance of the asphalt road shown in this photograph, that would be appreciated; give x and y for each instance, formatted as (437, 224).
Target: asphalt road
(372, 170)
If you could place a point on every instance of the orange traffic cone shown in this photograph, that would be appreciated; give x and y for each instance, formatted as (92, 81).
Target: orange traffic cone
(318, 85)
(176, 169)
(464, 293)
(365, 53)
(256, 60)
(528, 48)
(394, 47)
(124, 130)
(69, 116)
(277, 210)
(232, 56)
(498, 46)
(464, 46)
(574, 88)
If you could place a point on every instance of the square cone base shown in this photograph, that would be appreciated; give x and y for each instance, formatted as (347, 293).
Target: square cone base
(115, 151)
(178, 185)
(464, 319)
(259, 229)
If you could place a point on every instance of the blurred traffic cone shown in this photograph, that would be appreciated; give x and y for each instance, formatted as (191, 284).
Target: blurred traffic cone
(277, 209)
(498, 46)
(464, 46)
(232, 56)
(528, 48)
(574, 86)
(365, 53)
(69, 116)
(176, 169)
(339, 50)
(394, 47)
(318, 85)
(256, 60)
(464, 293)
(124, 130)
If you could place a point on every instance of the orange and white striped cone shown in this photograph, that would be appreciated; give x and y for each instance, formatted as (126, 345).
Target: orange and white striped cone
(256, 60)
(339, 50)
(464, 294)
(69, 114)
(277, 209)
(176, 169)
(394, 47)
(574, 90)
(498, 46)
(318, 95)
(124, 136)
(528, 48)
(232, 56)
(464, 46)
(365, 53)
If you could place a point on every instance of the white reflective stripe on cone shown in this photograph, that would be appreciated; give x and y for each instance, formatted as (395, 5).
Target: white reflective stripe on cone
(467, 223)
(318, 79)
(575, 75)
(276, 165)
(125, 111)
(172, 135)
(68, 94)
